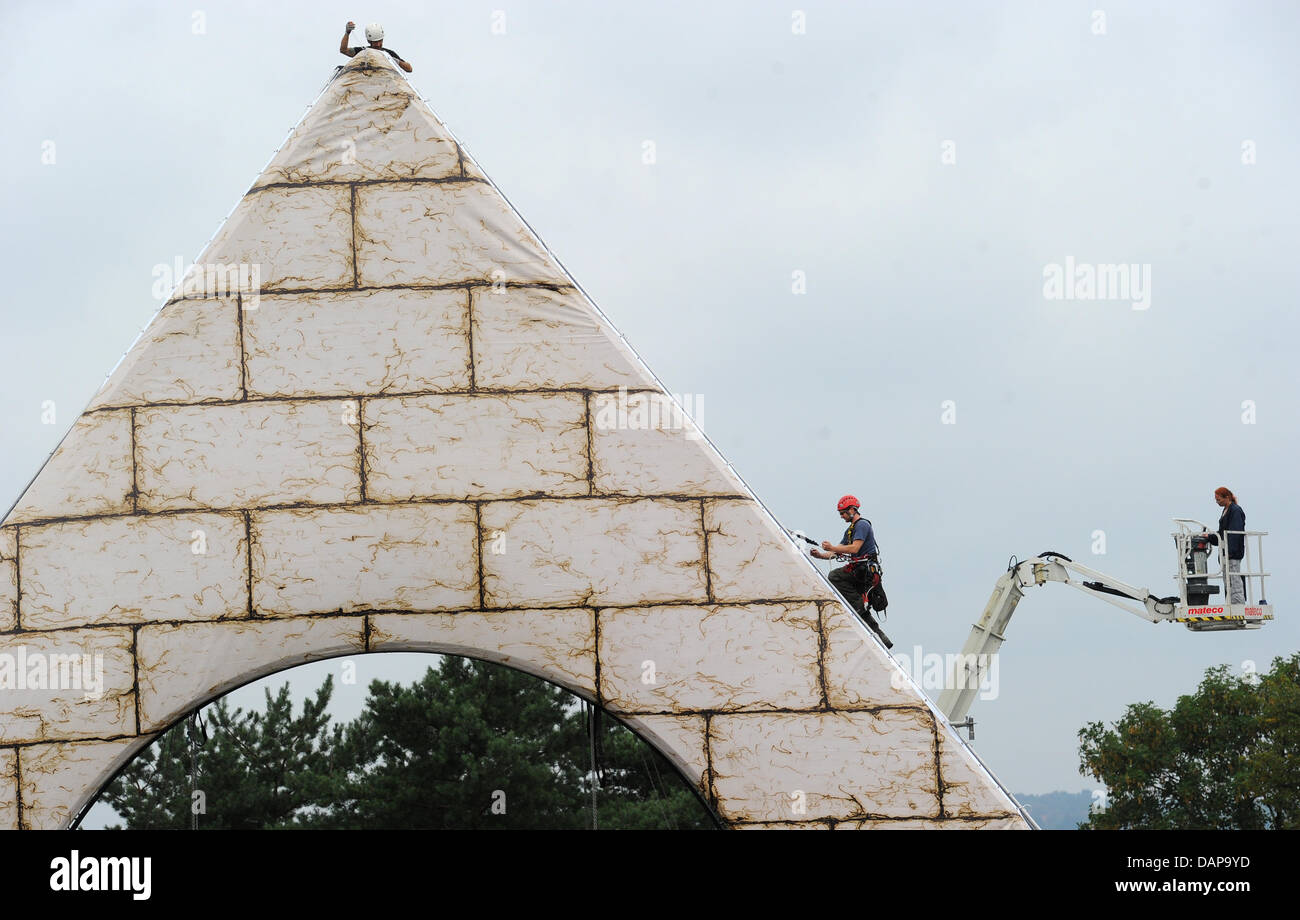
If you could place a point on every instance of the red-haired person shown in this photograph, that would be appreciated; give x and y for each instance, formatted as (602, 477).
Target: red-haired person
(1232, 518)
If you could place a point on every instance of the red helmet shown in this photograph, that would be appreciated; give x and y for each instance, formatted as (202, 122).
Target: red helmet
(848, 501)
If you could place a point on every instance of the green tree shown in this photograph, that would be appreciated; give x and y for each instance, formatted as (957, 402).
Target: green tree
(470, 745)
(153, 792)
(1274, 765)
(254, 770)
(477, 745)
(1225, 757)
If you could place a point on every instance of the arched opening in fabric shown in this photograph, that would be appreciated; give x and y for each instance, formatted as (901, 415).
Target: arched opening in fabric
(657, 781)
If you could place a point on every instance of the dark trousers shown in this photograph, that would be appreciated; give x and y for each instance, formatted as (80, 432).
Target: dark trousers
(848, 585)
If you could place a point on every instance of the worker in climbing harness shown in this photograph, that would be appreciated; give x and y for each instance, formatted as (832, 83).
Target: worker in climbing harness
(374, 35)
(859, 545)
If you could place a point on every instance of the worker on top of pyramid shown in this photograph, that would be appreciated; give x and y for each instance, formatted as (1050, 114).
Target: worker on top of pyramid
(374, 35)
(862, 574)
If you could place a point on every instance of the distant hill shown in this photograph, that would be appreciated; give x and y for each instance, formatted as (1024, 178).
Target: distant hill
(1057, 811)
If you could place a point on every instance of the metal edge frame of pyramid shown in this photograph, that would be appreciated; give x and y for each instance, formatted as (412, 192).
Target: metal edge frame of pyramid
(378, 415)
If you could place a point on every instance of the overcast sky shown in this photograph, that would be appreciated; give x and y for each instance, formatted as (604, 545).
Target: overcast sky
(922, 164)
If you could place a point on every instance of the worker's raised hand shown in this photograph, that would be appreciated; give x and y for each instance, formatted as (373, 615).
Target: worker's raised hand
(350, 26)
(826, 545)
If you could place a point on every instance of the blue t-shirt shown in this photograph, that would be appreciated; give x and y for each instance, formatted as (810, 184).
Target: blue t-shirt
(861, 530)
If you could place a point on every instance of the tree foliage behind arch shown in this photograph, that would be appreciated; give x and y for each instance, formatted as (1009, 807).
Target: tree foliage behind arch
(469, 745)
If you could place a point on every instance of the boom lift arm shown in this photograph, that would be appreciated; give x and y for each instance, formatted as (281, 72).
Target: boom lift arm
(1192, 606)
(988, 633)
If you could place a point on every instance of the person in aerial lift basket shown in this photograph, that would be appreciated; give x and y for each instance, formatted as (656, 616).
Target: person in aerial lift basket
(859, 580)
(1232, 518)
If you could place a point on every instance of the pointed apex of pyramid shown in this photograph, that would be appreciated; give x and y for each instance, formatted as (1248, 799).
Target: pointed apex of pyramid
(368, 125)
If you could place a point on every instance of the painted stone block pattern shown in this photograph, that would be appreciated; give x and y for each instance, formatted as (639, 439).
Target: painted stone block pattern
(357, 344)
(297, 238)
(134, 570)
(968, 791)
(679, 738)
(592, 551)
(189, 664)
(796, 766)
(58, 779)
(475, 446)
(8, 578)
(558, 645)
(528, 338)
(89, 473)
(8, 789)
(369, 125)
(685, 659)
(786, 826)
(372, 557)
(751, 559)
(645, 444)
(1005, 823)
(471, 169)
(248, 455)
(72, 683)
(859, 673)
(189, 354)
(444, 233)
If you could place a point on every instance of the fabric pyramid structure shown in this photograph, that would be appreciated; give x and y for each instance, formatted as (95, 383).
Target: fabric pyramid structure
(379, 416)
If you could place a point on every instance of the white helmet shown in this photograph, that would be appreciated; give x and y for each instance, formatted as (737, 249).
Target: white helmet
(374, 32)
